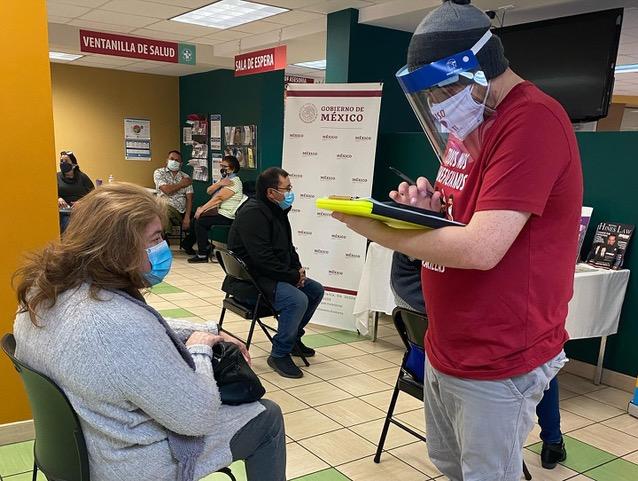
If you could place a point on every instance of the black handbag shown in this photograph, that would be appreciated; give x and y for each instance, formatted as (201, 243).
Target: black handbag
(236, 381)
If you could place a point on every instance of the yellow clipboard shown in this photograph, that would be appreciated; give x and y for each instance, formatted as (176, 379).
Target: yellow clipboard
(361, 208)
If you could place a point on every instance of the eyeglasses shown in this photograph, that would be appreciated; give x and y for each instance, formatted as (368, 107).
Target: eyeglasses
(287, 189)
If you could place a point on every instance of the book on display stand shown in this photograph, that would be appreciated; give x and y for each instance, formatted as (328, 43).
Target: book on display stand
(395, 215)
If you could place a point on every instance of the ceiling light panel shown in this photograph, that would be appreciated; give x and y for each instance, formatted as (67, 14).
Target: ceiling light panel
(228, 14)
(316, 64)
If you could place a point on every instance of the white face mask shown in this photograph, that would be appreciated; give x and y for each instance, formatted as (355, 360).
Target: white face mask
(174, 165)
(460, 114)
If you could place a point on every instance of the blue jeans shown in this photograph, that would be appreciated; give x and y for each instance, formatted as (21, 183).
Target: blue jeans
(549, 415)
(295, 306)
(65, 217)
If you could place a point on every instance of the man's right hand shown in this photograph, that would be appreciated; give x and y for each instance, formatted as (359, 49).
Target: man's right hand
(185, 182)
(421, 195)
(205, 338)
(302, 277)
(62, 203)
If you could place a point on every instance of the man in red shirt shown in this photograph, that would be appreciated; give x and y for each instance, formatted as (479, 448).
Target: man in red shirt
(496, 289)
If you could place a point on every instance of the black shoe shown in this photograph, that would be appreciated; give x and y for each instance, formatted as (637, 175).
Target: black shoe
(552, 454)
(189, 250)
(300, 348)
(197, 259)
(285, 367)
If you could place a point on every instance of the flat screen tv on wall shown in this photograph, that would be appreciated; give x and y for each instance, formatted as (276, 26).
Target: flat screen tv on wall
(570, 58)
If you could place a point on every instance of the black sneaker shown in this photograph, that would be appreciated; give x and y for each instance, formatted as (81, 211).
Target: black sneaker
(285, 367)
(300, 348)
(552, 454)
(197, 259)
(189, 250)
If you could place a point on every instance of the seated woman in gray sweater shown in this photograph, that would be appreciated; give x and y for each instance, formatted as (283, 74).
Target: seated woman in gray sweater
(142, 386)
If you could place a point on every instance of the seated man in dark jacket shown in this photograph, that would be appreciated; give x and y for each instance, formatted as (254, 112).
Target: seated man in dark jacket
(262, 238)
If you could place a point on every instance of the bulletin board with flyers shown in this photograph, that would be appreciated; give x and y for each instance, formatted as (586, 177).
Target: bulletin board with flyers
(195, 135)
(241, 141)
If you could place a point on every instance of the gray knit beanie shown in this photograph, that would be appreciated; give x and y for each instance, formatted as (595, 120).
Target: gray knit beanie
(454, 27)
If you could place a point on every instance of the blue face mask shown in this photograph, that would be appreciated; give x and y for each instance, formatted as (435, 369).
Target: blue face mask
(289, 198)
(161, 258)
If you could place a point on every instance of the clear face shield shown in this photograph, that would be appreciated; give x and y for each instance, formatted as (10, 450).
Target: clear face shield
(448, 96)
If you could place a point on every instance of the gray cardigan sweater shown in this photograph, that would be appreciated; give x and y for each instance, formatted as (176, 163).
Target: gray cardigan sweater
(129, 385)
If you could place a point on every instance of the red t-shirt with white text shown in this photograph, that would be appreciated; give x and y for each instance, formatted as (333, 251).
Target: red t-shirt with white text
(511, 319)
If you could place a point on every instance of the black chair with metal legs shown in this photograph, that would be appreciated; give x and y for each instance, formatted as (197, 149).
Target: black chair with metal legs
(234, 267)
(59, 450)
(411, 326)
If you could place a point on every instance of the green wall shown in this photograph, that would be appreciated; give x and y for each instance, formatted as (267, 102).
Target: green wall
(363, 53)
(610, 170)
(252, 99)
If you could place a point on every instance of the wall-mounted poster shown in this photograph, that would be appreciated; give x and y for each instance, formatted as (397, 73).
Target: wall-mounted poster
(137, 139)
(216, 132)
(198, 125)
(241, 141)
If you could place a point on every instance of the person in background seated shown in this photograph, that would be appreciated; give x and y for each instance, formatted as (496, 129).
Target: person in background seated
(73, 184)
(226, 195)
(261, 236)
(548, 412)
(142, 386)
(176, 187)
(405, 283)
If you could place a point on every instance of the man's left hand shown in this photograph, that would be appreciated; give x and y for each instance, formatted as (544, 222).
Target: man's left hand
(186, 223)
(367, 227)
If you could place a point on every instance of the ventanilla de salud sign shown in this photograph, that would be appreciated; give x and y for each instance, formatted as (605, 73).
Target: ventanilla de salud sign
(136, 47)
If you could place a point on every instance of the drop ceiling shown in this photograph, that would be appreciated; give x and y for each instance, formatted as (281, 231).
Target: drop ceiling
(302, 28)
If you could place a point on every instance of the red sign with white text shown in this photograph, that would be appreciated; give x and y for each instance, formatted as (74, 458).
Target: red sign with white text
(261, 61)
(125, 46)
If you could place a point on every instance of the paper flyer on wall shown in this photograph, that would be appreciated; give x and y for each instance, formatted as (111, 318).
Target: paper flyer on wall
(187, 135)
(200, 151)
(216, 160)
(215, 132)
(200, 169)
(241, 141)
(137, 139)
(330, 138)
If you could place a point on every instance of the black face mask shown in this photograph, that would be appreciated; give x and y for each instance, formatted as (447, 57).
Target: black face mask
(65, 167)
(223, 172)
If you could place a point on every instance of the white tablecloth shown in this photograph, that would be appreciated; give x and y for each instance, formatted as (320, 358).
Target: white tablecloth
(374, 292)
(594, 310)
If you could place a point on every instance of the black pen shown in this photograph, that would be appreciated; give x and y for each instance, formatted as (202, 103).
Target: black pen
(402, 175)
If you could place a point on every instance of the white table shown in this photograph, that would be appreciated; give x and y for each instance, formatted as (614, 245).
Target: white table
(594, 310)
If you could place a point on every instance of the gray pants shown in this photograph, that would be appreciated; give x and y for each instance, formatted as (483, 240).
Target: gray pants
(476, 429)
(262, 445)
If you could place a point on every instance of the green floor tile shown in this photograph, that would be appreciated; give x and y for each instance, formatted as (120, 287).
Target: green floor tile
(325, 475)
(238, 471)
(345, 336)
(164, 288)
(319, 340)
(581, 457)
(176, 313)
(16, 458)
(617, 470)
